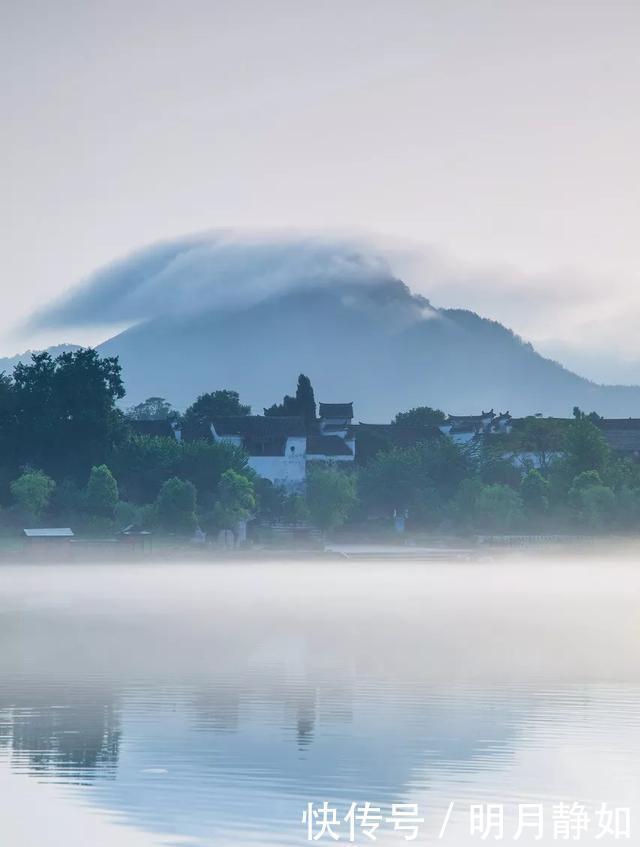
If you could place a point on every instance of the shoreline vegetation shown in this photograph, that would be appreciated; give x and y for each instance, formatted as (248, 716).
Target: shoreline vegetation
(71, 458)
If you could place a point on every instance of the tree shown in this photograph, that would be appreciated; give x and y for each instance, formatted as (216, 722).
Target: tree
(585, 447)
(142, 464)
(236, 500)
(306, 400)
(414, 478)
(204, 463)
(302, 405)
(32, 492)
(499, 508)
(598, 506)
(396, 481)
(463, 508)
(578, 414)
(543, 437)
(101, 495)
(65, 414)
(176, 506)
(222, 403)
(421, 416)
(152, 409)
(534, 490)
(331, 496)
(593, 503)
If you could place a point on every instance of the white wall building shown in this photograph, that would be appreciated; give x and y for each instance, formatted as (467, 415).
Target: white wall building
(279, 447)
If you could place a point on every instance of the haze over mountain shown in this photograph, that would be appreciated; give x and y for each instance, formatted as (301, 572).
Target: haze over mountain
(250, 313)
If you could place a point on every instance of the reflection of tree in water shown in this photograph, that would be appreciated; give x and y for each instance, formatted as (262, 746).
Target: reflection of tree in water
(306, 721)
(73, 735)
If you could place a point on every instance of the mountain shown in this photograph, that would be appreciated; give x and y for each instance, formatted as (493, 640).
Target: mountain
(219, 311)
(382, 348)
(8, 363)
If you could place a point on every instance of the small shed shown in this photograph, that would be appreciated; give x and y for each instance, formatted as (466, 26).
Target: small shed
(48, 539)
(135, 537)
(49, 534)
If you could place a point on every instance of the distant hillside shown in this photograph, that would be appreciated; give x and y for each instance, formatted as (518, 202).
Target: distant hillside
(222, 310)
(8, 363)
(373, 346)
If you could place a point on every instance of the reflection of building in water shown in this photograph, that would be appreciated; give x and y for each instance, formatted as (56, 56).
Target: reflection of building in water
(71, 735)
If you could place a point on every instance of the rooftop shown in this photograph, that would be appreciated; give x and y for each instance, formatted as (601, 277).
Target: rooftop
(619, 423)
(51, 532)
(340, 411)
(260, 426)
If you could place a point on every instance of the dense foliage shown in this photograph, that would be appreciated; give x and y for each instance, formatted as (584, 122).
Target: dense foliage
(70, 457)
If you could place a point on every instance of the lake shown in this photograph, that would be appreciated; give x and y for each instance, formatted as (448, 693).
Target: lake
(211, 704)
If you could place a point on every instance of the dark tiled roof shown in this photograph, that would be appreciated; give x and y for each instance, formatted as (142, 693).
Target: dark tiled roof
(336, 410)
(259, 426)
(621, 434)
(619, 423)
(398, 433)
(327, 445)
(159, 429)
(466, 420)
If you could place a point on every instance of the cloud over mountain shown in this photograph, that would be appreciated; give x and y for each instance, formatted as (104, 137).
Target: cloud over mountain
(219, 270)
(250, 312)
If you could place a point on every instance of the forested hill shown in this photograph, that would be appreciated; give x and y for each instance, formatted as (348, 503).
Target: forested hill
(218, 314)
(382, 349)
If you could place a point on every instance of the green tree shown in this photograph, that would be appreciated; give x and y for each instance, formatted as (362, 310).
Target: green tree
(222, 403)
(463, 508)
(176, 506)
(302, 405)
(101, 496)
(597, 507)
(141, 465)
(592, 502)
(66, 417)
(585, 447)
(419, 417)
(152, 409)
(499, 508)
(416, 478)
(306, 400)
(331, 496)
(236, 500)
(32, 492)
(204, 463)
(396, 481)
(534, 490)
(542, 437)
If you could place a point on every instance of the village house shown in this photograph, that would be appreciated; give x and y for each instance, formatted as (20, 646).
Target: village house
(622, 435)
(335, 418)
(280, 448)
(462, 429)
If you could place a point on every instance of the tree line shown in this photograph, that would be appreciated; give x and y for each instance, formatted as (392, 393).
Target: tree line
(70, 456)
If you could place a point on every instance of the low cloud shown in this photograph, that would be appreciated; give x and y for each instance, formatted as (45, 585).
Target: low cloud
(213, 270)
(585, 322)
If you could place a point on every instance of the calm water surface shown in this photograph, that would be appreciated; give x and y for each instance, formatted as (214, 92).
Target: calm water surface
(203, 705)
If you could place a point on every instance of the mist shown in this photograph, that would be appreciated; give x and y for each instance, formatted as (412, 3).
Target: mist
(213, 271)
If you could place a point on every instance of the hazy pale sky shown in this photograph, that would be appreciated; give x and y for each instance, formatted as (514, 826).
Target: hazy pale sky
(501, 137)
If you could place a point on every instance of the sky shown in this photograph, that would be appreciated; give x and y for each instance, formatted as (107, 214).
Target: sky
(493, 145)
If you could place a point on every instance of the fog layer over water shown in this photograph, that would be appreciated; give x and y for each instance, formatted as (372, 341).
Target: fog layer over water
(212, 702)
